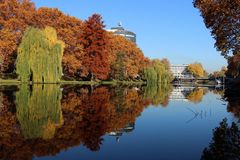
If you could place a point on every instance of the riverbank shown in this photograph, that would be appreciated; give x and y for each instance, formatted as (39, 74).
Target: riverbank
(63, 82)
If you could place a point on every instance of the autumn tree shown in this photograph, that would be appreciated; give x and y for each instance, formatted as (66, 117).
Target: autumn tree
(222, 18)
(40, 56)
(218, 74)
(69, 30)
(196, 69)
(134, 60)
(233, 69)
(15, 15)
(95, 58)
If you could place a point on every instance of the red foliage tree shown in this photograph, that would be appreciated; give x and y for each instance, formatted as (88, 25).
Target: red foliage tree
(95, 59)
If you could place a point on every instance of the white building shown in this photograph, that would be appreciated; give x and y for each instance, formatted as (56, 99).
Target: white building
(119, 30)
(181, 71)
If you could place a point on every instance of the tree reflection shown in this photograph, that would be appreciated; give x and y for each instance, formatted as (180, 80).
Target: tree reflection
(40, 126)
(225, 144)
(232, 95)
(196, 95)
(158, 94)
(39, 111)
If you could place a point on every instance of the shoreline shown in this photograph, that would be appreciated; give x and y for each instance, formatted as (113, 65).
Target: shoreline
(63, 82)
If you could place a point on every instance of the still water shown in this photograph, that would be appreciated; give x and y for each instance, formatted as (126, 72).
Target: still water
(44, 122)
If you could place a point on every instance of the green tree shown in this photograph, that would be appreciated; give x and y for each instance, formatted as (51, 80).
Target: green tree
(158, 94)
(40, 56)
(150, 75)
(118, 68)
(158, 72)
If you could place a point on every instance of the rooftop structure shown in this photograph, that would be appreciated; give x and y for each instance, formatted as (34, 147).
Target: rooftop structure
(119, 30)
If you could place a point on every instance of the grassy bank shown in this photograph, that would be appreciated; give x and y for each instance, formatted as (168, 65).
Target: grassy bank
(17, 82)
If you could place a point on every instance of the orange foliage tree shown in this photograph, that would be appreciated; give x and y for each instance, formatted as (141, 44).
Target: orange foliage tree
(15, 16)
(134, 59)
(90, 51)
(94, 44)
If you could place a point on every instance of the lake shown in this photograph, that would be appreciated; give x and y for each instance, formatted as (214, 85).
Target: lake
(44, 122)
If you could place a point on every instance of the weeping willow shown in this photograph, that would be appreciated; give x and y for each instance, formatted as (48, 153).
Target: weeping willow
(158, 73)
(150, 75)
(40, 56)
(39, 112)
(158, 94)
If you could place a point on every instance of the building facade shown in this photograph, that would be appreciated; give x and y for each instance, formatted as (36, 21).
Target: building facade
(119, 30)
(181, 72)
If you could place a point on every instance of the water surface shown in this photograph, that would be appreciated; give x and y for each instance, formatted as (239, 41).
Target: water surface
(105, 122)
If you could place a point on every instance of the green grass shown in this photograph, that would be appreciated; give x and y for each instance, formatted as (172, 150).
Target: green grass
(9, 81)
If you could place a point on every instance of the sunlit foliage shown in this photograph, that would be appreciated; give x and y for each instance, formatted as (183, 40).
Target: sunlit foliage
(90, 51)
(40, 56)
(196, 69)
(15, 15)
(158, 72)
(222, 18)
(134, 60)
(95, 58)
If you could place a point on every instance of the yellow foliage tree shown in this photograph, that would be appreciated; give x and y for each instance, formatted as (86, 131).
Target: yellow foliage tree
(196, 69)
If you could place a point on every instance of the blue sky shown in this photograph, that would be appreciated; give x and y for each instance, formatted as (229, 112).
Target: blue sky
(165, 29)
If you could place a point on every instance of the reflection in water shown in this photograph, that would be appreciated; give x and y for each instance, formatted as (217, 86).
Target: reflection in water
(180, 93)
(196, 95)
(45, 124)
(127, 129)
(232, 95)
(188, 94)
(158, 94)
(225, 143)
(39, 111)
(45, 119)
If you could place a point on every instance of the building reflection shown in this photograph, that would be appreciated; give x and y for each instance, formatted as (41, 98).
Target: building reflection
(118, 133)
(188, 94)
(180, 93)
